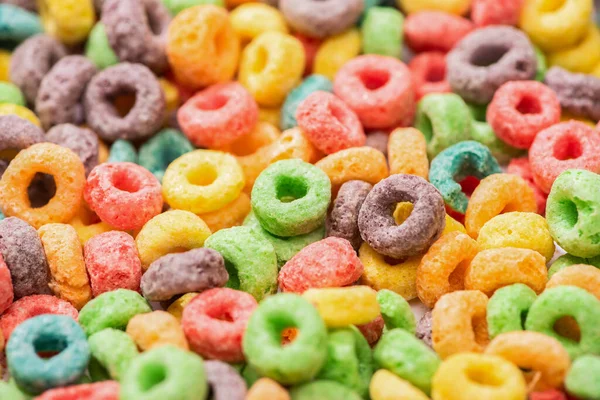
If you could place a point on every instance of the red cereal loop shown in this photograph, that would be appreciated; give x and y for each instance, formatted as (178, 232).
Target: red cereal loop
(32, 306)
(329, 124)
(373, 330)
(112, 262)
(123, 194)
(108, 390)
(428, 71)
(6, 289)
(311, 46)
(378, 89)
(435, 30)
(219, 115)
(520, 166)
(520, 110)
(496, 12)
(214, 323)
(567, 145)
(331, 262)
(552, 394)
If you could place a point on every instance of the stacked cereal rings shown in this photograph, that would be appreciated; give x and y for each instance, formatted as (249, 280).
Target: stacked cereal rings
(299, 200)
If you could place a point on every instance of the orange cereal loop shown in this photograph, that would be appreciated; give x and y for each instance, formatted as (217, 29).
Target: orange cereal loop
(103, 152)
(267, 389)
(202, 47)
(407, 152)
(87, 224)
(442, 268)
(459, 323)
(47, 158)
(263, 134)
(68, 276)
(270, 115)
(584, 276)
(533, 351)
(233, 214)
(497, 194)
(362, 163)
(492, 269)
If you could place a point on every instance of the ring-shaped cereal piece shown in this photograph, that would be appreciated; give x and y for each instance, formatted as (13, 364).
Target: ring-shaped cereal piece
(47, 333)
(423, 227)
(342, 221)
(581, 275)
(218, 116)
(521, 167)
(47, 158)
(459, 323)
(431, 30)
(82, 141)
(583, 56)
(457, 162)
(320, 19)
(123, 195)
(578, 93)
(69, 21)
(406, 150)
(232, 214)
(202, 181)
(308, 188)
(495, 12)
(428, 71)
(137, 31)
(381, 31)
(497, 194)
(162, 149)
(487, 58)
(571, 301)
(296, 96)
(18, 23)
(252, 19)
(563, 146)
(225, 382)
(297, 361)
(520, 110)
(335, 51)
(142, 121)
(7, 293)
(155, 329)
(533, 351)
(479, 376)
(343, 306)
(108, 390)
(386, 386)
(17, 134)
(59, 98)
(508, 308)
(458, 7)
(442, 268)
(378, 89)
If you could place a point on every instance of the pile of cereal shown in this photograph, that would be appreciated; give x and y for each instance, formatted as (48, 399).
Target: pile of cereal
(299, 200)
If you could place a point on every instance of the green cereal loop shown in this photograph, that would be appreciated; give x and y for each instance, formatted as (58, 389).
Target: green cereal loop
(508, 308)
(444, 119)
(349, 360)
(162, 149)
(250, 375)
(10, 93)
(403, 354)
(573, 212)
(583, 379)
(323, 390)
(381, 32)
(17, 24)
(296, 362)
(396, 311)
(176, 6)
(113, 350)
(483, 133)
(112, 310)
(98, 49)
(10, 392)
(285, 247)
(122, 151)
(566, 260)
(167, 372)
(542, 65)
(468, 158)
(249, 258)
(562, 301)
(291, 197)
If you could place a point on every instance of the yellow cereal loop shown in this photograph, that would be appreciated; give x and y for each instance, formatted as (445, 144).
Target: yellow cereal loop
(232, 214)
(19, 111)
(170, 232)
(270, 115)
(478, 376)
(388, 386)
(69, 21)
(202, 181)
(336, 51)
(458, 7)
(339, 307)
(524, 230)
(582, 56)
(5, 65)
(176, 308)
(453, 225)
(251, 19)
(555, 24)
(155, 329)
(584, 276)
(171, 94)
(87, 224)
(266, 388)
(103, 152)
(271, 65)
(69, 279)
(407, 152)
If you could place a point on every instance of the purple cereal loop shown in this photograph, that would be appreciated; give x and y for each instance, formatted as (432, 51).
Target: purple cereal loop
(343, 219)
(32, 60)
(24, 255)
(59, 97)
(137, 31)
(423, 226)
(487, 58)
(82, 141)
(318, 18)
(579, 94)
(146, 116)
(224, 381)
(18, 133)
(424, 329)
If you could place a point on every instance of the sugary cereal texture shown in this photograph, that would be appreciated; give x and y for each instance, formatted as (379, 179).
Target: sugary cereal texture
(156, 329)
(342, 221)
(81, 141)
(508, 308)
(576, 92)
(224, 381)
(321, 19)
